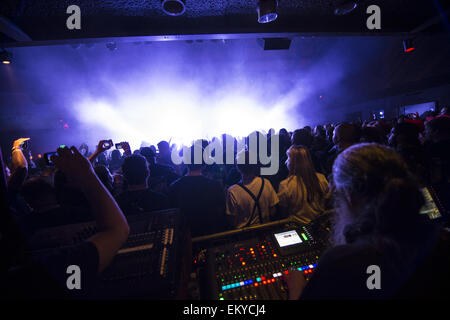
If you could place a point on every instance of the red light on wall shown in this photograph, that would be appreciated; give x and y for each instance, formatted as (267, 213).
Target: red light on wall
(408, 45)
(66, 126)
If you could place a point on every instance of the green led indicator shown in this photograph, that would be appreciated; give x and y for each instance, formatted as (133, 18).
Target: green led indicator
(304, 236)
(221, 298)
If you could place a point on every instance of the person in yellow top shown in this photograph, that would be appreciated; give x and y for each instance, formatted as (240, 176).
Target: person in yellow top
(304, 191)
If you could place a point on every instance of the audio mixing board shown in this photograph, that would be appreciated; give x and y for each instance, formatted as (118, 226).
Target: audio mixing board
(148, 265)
(249, 264)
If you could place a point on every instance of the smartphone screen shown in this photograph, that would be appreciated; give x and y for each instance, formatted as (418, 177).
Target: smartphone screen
(108, 144)
(118, 146)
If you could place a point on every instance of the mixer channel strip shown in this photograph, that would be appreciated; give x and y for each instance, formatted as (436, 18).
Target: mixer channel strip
(269, 279)
(265, 286)
(167, 239)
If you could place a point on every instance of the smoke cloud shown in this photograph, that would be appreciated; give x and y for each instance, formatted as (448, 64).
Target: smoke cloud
(178, 90)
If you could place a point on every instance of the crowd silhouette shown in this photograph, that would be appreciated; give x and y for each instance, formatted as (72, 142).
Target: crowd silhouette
(369, 173)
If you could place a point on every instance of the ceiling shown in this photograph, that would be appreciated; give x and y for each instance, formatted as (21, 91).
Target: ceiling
(46, 20)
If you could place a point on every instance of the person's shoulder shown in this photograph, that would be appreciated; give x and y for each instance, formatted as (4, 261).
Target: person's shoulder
(343, 254)
(267, 184)
(154, 194)
(164, 168)
(176, 183)
(321, 177)
(290, 179)
(283, 184)
(233, 188)
(342, 250)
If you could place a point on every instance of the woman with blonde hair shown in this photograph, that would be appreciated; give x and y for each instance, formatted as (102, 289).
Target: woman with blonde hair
(304, 191)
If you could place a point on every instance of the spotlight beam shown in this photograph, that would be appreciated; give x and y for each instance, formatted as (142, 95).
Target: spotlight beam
(430, 22)
(12, 31)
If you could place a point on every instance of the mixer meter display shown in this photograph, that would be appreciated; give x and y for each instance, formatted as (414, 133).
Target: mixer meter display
(287, 238)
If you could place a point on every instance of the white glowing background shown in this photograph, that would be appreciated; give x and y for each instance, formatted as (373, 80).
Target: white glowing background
(178, 92)
(184, 112)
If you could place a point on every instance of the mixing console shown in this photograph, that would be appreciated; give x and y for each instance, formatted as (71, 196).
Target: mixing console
(250, 264)
(146, 267)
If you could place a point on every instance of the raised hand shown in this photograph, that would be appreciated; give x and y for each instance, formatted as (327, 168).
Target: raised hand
(76, 167)
(296, 282)
(103, 145)
(126, 148)
(19, 142)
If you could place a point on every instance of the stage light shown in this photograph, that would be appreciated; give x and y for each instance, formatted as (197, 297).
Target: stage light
(345, 8)
(408, 45)
(5, 57)
(173, 7)
(267, 11)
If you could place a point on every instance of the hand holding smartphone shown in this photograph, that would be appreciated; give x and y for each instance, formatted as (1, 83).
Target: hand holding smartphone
(125, 146)
(107, 144)
(47, 156)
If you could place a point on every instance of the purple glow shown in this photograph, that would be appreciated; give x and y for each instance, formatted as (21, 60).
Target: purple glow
(190, 113)
(190, 99)
(173, 90)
